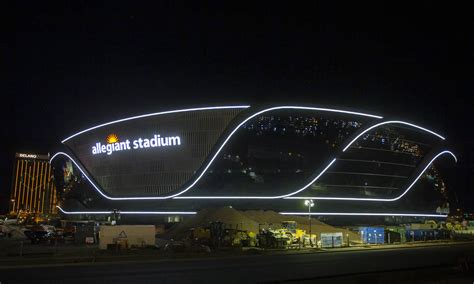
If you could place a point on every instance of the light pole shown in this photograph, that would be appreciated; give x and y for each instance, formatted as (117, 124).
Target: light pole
(13, 204)
(309, 203)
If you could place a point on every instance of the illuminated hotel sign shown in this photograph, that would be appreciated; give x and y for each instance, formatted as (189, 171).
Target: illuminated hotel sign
(31, 156)
(28, 156)
(114, 145)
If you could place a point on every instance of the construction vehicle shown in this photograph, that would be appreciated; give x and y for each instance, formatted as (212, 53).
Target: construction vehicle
(432, 223)
(284, 236)
(456, 226)
(200, 235)
(269, 238)
(219, 234)
(298, 236)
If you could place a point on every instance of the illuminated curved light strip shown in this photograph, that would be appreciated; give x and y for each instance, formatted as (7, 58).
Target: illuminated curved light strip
(287, 196)
(152, 114)
(293, 193)
(158, 212)
(260, 197)
(217, 152)
(391, 122)
(83, 173)
(363, 214)
(247, 119)
(381, 199)
(200, 197)
(127, 212)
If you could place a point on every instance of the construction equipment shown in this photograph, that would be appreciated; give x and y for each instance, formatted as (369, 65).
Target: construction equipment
(269, 238)
(219, 234)
(453, 226)
(200, 235)
(298, 236)
(284, 236)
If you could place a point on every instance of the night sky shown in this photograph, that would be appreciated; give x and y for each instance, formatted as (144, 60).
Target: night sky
(69, 66)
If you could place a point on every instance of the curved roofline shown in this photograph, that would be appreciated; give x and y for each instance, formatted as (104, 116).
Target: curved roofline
(391, 122)
(152, 114)
(213, 108)
(216, 153)
(176, 195)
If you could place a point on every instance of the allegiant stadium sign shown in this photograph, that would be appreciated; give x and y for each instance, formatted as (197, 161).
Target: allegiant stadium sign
(114, 145)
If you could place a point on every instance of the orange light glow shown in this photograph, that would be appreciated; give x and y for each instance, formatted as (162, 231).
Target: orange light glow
(112, 138)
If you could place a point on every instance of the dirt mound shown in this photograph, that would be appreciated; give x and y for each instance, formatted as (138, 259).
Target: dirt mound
(250, 221)
(231, 217)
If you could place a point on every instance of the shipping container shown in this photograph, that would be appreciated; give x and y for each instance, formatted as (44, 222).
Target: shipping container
(395, 234)
(422, 235)
(331, 240)
(372, 235)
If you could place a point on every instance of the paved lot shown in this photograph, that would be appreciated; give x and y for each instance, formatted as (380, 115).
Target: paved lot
(431, 263)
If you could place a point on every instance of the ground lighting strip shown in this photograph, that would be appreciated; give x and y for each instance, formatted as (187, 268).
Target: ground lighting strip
(363, 214)
(282, 213)
(223, 144)
(126, 212)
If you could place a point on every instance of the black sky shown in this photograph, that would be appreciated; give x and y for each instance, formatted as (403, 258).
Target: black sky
(70, 65)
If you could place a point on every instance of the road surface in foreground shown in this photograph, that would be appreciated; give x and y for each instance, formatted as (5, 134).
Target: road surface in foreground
(433, 264)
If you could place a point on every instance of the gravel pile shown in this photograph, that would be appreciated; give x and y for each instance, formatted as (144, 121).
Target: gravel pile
(250, 221)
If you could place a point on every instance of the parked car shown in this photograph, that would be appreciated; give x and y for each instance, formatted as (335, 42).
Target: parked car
(41, 233)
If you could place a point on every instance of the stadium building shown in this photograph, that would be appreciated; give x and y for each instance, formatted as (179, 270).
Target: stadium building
(275, 157)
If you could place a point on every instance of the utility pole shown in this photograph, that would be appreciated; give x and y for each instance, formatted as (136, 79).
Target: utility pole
(310, 204)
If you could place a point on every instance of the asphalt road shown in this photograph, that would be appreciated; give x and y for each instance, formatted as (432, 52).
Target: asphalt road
(433, 264)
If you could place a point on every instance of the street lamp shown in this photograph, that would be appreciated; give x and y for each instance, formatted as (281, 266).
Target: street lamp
(13, 204)
(309, 203)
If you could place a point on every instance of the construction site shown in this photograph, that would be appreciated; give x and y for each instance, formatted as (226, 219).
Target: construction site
(223, 228)
(228, 227)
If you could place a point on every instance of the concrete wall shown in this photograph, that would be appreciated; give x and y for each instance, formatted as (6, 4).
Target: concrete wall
(135, 235)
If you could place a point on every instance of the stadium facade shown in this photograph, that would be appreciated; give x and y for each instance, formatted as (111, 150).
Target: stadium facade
(273, 157)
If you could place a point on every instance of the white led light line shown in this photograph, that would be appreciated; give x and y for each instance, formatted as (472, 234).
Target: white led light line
(363, 214)
(219, 107)
(217, 152)
(189, 197)
(290, 194)
(391, 122)
(87, 177)
(287, 196)
(247, 119)
(127, 212)
(152, 114)
(261, 197)
(381, 199)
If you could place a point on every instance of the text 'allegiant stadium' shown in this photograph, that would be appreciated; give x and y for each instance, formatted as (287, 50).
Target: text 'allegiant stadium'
(140, 143)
